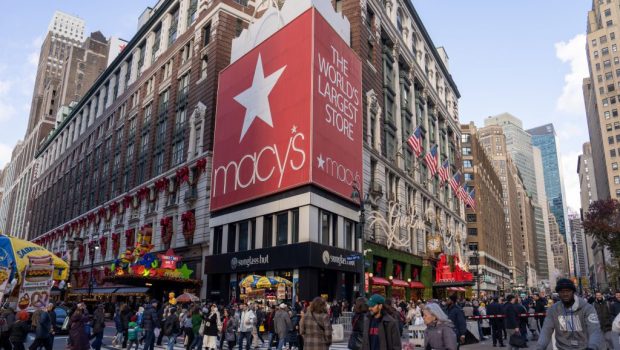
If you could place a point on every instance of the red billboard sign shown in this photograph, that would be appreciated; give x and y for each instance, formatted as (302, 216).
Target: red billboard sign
(288, 114)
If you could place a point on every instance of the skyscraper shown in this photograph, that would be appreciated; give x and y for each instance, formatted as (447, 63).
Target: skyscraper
(544, 257)
(519, 145)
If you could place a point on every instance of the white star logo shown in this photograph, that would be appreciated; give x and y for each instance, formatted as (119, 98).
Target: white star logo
(256, 98)
(321, 161)
(294, 129)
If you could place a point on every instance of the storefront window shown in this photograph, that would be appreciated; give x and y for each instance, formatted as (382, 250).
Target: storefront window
(282, 222)
(217, 240)
(349, 234)
(267, 231)
(243, 236)
(295, 225)
(325, 216)
(232, 238)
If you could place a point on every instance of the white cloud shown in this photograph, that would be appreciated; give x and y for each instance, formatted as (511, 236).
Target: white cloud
(5, 154)
(572, 52)
(571, 179)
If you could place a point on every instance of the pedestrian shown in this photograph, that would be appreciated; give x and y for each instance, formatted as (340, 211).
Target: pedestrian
(520, 309)
(380, 328)
(269, 327)
(604, 317)
(282, 325)
(229, 329)
(149, 323)
(171, 328)
(247, 320)
(188, 330)
(133, 333)
(439, 333)
(54, 327)
(42, 330)
(360, 310)
(7, 318)
(512, 322)
(540, 306)
(315, 327)
(573, 320)
(456, 315)
(335, 311)
(77, 333)
(98, 325)
(484, 322)
(118, 324)
(497, 323)
(197, 321)
(260, 321)
(211, 328)
(125, 317)
(19, 331)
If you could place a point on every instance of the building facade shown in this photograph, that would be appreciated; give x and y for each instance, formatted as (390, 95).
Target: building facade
(61, 80)
(494, 142)
(486, 223)
(558, 248)
(137, 144)
(519, 143)
(546, 270)
(580, 249)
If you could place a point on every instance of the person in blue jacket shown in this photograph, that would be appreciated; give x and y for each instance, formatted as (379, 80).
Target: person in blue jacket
(456, 315)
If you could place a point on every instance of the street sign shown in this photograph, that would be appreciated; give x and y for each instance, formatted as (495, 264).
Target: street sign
(353, 257)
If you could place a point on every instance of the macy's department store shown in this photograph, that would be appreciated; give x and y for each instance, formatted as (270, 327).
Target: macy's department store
(287, 151)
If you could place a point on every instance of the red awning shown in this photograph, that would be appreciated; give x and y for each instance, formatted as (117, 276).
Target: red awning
(378, 281)
(399, 283)
(416, 285)
(461, 289)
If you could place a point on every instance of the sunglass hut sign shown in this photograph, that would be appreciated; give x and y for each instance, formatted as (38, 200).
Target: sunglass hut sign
(289, 114)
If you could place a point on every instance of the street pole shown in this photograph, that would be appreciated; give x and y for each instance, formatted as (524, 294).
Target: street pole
(477, 256)
(575, 266)
(359, 233)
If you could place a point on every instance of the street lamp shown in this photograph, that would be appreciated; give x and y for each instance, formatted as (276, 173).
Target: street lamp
(359, 230)
(477, 260)
(91, 280)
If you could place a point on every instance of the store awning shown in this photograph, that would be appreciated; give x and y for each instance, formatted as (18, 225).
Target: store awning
(105, 290)
(379, 281)
(400, 283)
(456, 289)
(131, 290)
(416, 285)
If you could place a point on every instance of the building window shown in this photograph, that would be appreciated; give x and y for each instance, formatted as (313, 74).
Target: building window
(605, 102)
(472, 231)
(467, 163)
(616, 125)
(612, 152)
(267, 231)
(607, 115)
(617, 180)
(172, 33)
(466, 151)
(218, 236)
(612, 36)
(608, 126)
(465, 138)
(469, 176)
(607, 12)
(607, 64)
(191, 12)
(471, 217)
(232, 238)
(243, 236)
(295, 225)
(204, 65)
(282, 228)
(349, 234)
(610, 23)
(604, 51)
(593, 42)
(614, 166)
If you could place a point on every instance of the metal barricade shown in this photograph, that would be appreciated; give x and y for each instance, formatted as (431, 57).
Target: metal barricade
(346, 320)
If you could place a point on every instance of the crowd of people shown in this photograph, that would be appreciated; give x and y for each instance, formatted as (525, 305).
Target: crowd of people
(377, 323)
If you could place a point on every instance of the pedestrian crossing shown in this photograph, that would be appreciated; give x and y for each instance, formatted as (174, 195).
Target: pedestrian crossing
(179, 346)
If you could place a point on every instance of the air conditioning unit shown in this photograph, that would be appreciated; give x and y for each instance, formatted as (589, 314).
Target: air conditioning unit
(376, 188)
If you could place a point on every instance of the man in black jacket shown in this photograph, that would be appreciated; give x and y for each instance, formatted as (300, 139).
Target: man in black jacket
(150, 321)
(604, 318)
(380, 329)
(497, 323)
(456, 315)
(512, 319)
(540, 306)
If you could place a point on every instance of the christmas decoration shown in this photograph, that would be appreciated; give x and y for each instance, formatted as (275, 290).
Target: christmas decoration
(116, 244)
(189, 225)
(166, 230)
(169, 260)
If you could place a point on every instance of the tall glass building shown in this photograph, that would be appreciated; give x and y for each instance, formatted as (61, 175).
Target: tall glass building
(544, 137)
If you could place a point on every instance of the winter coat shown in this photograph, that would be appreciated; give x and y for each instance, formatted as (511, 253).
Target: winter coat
(615, 325)
(495, 308)
(269, 321)
(247, 321)
(604, 315)
(282, 324)
(440, 336)
(54, 326)
(579, 323)
(44, 326)
(19, 332)
(149, 318)
(540, 305)
(512, 318)
(98, 321)
(615, 309)
(230, 332)
(77, 333)
(357, 331)
(484, 323)
(211, 322)
(125, 317)
(196, 321)
(134, 330)
(171, 325)
(316, 330)
(389, 335)
(456, 315)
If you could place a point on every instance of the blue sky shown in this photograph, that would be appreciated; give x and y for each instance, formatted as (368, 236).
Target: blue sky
(524, 57)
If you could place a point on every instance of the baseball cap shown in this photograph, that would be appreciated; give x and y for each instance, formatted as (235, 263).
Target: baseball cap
(375, 299)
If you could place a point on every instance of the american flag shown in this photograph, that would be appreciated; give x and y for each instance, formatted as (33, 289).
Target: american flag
(415, 142)
(470, 200)
(455, 181)
(431, 160)
(444, 172)
(462, 194)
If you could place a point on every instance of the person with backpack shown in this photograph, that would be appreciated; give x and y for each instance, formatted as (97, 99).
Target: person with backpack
(6, 321)
(133, 333)
(171, 327)
(19, 331)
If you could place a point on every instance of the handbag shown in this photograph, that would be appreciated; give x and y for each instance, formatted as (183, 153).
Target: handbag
(201, 331)
(261, 328)
(517, 340)
(65, 323)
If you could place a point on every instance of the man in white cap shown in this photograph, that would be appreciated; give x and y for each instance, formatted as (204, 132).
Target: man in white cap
(282, 325)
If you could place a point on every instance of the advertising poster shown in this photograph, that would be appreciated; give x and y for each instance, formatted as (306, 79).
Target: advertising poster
(36, 287)
(4, 281)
